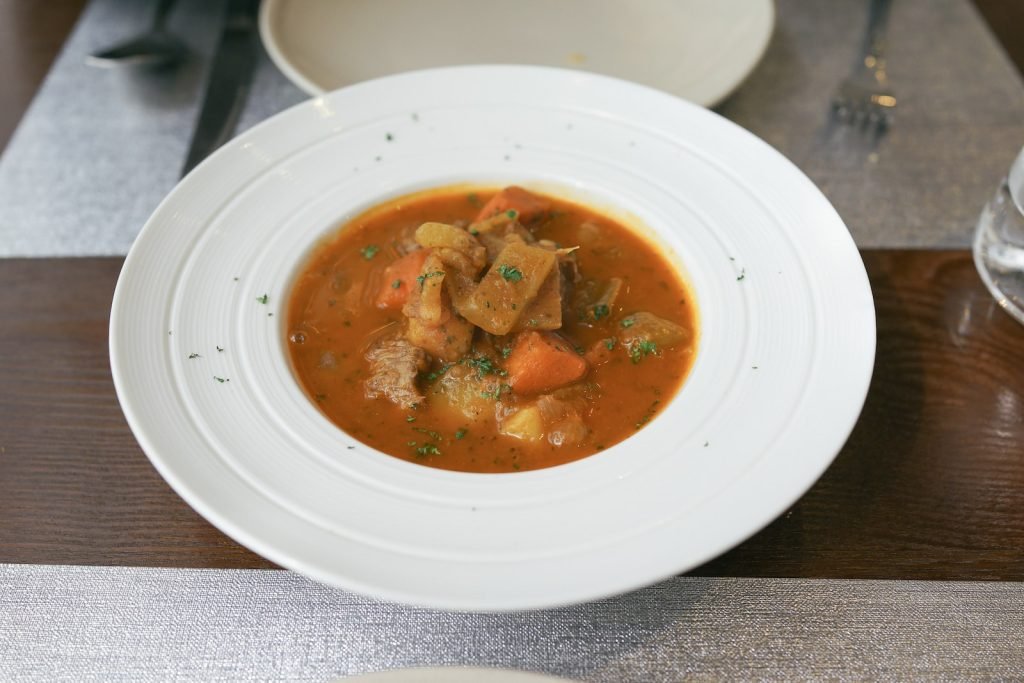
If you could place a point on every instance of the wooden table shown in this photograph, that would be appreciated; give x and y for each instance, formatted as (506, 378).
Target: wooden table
(930, 484)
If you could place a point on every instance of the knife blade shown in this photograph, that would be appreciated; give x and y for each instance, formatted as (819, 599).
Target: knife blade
(228, 82)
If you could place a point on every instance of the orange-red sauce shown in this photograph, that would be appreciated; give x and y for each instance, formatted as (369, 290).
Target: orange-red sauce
(332, 320)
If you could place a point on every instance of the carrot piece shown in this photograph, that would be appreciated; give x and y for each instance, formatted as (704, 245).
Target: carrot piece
(542, 361)
(399, 278)
(527, 204)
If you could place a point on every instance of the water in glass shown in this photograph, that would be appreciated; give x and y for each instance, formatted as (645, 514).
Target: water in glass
(999, 242)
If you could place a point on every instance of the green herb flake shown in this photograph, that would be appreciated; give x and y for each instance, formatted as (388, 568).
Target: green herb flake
(648, 415)
(389, 137)
(506, 352)
(474, 231)
(221, 379)
(193, 355)
(422, 279)
(263, 299)
(510, 273)
(460, 434)
(601, 311)
(432, 376)
(641, 349)
(429, 432)
(410, 418)
(609, 343)
(743, 274)
(627, 322)
(428, 449)
(219, 349)
(497, 392)
(512, 213)
(369, 251)
(484, 366)
(396, 284)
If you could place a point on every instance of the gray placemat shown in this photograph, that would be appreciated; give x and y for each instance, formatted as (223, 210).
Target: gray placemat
(98, 149)
(90, 623)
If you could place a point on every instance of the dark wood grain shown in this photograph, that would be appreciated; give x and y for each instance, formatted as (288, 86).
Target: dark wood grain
(31, 34)
(74, 486)
(930, 484)
(1006, 20)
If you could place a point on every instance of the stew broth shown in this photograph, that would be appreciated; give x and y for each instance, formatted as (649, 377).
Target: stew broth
(380, 336)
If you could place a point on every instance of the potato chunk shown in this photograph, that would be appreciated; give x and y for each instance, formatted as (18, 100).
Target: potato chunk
(511, 284)
(448, 341)
(461, 391)
(444, 236)
(526, 423)
(643, 326)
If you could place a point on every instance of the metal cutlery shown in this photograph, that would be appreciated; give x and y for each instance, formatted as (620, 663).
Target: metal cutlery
(156, 47)
(865, 97)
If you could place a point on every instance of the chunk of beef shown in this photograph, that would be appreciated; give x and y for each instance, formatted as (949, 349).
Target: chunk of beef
(394, 365)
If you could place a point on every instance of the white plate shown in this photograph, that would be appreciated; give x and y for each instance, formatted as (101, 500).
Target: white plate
(696, 49)
(786, 351)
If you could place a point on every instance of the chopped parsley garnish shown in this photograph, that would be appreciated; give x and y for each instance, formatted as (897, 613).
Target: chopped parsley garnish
(429, 432)
(648, 415)
(641, 349)
(440, 371)
(221, 379)
(263, 299)
(410, 418)
(512, 213)
(484, 366)
(396, 284)
(389, 137)
(510, 273)
(219, 348)
(600, 311)
(506, 352)
(422, 279)
(369, 251)
(428, 449)
(743, 274)
(496, 394)
(474, 231)
(609, 343)
(627, 322)
(461, 434)
(193, 355)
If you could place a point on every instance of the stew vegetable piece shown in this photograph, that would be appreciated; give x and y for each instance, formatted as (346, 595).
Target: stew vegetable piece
(489, 331)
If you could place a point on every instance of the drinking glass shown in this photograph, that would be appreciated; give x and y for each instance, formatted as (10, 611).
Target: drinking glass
(999, 242)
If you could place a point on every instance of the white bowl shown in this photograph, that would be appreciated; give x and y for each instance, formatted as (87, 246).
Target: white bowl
(786, 351)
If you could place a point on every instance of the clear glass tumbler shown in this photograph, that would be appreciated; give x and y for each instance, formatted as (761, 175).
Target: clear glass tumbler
(999, 242)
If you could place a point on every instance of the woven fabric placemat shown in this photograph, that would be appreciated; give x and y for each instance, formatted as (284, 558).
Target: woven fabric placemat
(99, 148)
(131, 624)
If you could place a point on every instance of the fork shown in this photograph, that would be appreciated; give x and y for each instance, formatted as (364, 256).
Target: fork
(865, 96)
